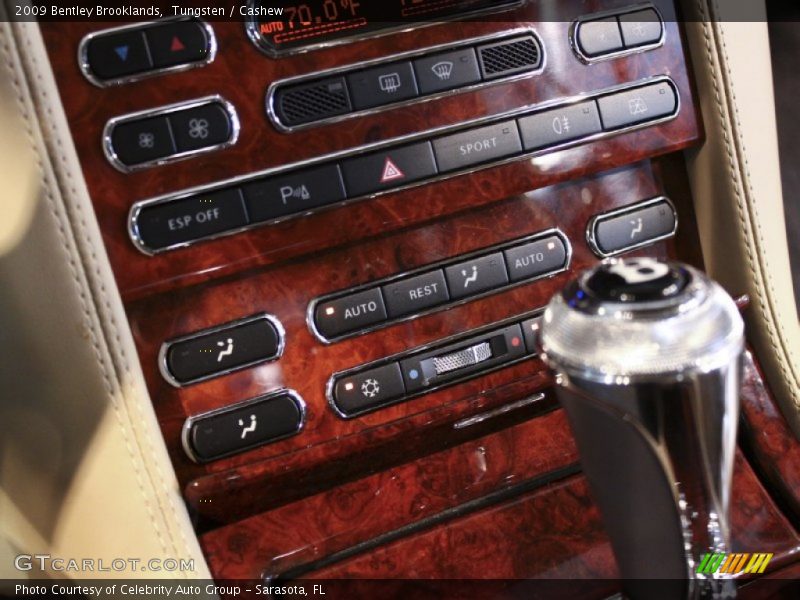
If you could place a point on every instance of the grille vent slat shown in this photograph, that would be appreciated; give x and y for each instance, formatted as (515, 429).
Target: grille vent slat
(309, 103)
(509, 57)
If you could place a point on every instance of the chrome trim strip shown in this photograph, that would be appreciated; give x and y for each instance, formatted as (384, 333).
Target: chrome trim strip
(83, 52)
(312, 306)
(591, 227)
(251, 28)
(491, 414)
(108, 131)
(163, 367)
(137, 207)
(588, 60)
(453, 339)
(186, 430)
(469, 42)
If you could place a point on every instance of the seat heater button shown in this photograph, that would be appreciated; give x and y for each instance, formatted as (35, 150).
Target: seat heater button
(349, 313)
(171, 223)
(241, 428)
(415, 294)
(536, 258)
(477, 146)
(475, 276)
(357, 393)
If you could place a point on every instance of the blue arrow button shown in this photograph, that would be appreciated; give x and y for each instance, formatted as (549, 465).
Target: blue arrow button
(122, 52)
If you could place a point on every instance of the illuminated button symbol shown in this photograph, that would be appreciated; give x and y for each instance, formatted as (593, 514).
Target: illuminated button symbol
(177, 45)
(349, 386)
(122, 52)
(371, 388)
(391, 172)
(330, 311)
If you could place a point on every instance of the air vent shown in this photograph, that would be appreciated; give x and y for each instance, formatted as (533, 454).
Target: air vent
(312, 102)
(508, 57)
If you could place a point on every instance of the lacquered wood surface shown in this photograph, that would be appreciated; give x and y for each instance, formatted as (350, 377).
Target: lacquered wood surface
(219, 489)
(241, 74)
(552, 532)
(772, 446)
(305, 531)
(340, 483)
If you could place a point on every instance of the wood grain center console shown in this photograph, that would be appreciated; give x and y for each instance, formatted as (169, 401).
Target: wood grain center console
(332, 261)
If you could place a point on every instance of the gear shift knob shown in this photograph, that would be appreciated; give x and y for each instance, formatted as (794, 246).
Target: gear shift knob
(648, 362)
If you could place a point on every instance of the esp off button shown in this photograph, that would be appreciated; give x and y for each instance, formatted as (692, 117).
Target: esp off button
(168, 225)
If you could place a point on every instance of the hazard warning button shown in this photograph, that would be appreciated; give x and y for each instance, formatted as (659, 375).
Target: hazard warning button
(178, 43)
(391, 168)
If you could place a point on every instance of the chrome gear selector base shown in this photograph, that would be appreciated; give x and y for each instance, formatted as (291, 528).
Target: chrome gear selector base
(648, 355)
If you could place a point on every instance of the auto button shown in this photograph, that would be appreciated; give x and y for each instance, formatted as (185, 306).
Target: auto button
(339, 316)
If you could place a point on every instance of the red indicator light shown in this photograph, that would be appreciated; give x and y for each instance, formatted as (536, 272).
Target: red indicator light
(515, 341)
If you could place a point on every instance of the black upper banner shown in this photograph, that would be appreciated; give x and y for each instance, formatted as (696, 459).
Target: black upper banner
(302, 15)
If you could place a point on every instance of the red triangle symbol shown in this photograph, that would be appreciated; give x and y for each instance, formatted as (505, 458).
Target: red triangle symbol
(177, 45)
(391, 171)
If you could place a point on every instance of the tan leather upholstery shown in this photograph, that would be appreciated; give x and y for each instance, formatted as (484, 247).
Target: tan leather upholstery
(736, 184)
(84, 472)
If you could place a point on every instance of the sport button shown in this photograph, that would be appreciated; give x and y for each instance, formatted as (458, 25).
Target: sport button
(477, 146)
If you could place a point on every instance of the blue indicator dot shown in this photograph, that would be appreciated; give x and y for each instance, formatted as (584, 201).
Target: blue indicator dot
(413, 374)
